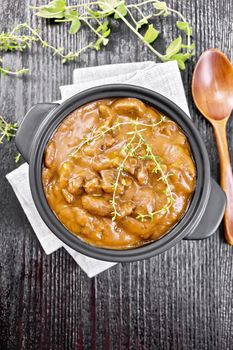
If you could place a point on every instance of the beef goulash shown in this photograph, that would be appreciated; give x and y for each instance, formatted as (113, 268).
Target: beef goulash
(118, 174)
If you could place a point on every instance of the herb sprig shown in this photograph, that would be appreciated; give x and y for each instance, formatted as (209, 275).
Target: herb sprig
(164, 177)
(97, 16)
(8, 131)
(133, 16)
(8, 71)
(139, 144)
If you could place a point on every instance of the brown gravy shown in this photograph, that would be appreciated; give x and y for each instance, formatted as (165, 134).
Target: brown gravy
(118, 174)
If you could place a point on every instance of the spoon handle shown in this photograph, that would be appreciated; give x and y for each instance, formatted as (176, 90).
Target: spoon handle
(226, 176)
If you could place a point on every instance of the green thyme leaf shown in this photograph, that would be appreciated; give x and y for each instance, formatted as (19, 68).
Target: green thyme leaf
(17, 158)
(141, 23)
(160, 5)
(122, 9)
(55, 9)
(75, 26)
(184, 26)
(101, 41)
(174, 47)
(104, 29)
(7, 130)
(151, 34)
(108, 4)
(71, 14)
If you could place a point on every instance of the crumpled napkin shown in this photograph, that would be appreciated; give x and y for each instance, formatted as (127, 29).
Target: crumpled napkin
(164, 78)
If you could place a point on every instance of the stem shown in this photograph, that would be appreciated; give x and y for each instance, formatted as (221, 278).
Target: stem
(184, 20)
(102, 133)
(141, 13)
(82, 5)
(121, 166)
(92, 28)
(142, 3)
(131, 15)
(13, 73)
(137, 33)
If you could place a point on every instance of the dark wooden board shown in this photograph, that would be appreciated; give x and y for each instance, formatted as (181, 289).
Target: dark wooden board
(181, 299)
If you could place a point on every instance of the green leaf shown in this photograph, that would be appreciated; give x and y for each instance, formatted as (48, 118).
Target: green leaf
(109, 5)
(160, 5)
(184, 26)
(141, 23)
(95, 14)
(181, 63)
(55, 9)
(50, 13)
(122, 9)
(181, 58)
(71, 14)
(104, 29)
(151, 34)
(174, 47)
(99, 42)
(75, 26)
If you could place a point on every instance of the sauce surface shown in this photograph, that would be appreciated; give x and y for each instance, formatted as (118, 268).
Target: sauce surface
(118, 173)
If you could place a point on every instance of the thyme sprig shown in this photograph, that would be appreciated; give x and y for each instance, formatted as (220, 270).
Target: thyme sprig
(129, 151)
(164, 177)
(8, 71)
(8, 131)
(149, 155)
(22, 37)
(96, 16)
(99, 133)
(133, 16)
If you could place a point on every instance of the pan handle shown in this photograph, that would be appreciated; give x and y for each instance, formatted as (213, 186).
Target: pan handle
(213, 214)
(30, 125)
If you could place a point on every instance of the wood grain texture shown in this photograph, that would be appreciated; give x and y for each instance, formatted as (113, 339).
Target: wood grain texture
(181, 299)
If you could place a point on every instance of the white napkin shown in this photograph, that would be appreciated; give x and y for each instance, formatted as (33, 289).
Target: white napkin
(163, 77)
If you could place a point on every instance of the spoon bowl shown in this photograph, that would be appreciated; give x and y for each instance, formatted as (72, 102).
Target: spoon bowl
(212, 89)
(212, 86)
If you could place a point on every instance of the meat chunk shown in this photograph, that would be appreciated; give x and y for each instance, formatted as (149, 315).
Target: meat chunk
(68, 196)
(108, 181)
(101, 162)
(97, 205)
(126, 209)
(142, 175)
(136, 227)
(107, 114)
(81, 216)
(131, 165)
(46, 176)
(129, 107)
(152, 115)
(145, 200)
(92, 186)
(50, 154)
(64, 172)
(75, 185)
(182, 180)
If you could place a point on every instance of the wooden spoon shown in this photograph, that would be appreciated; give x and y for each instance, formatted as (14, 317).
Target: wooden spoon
(212, 89)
